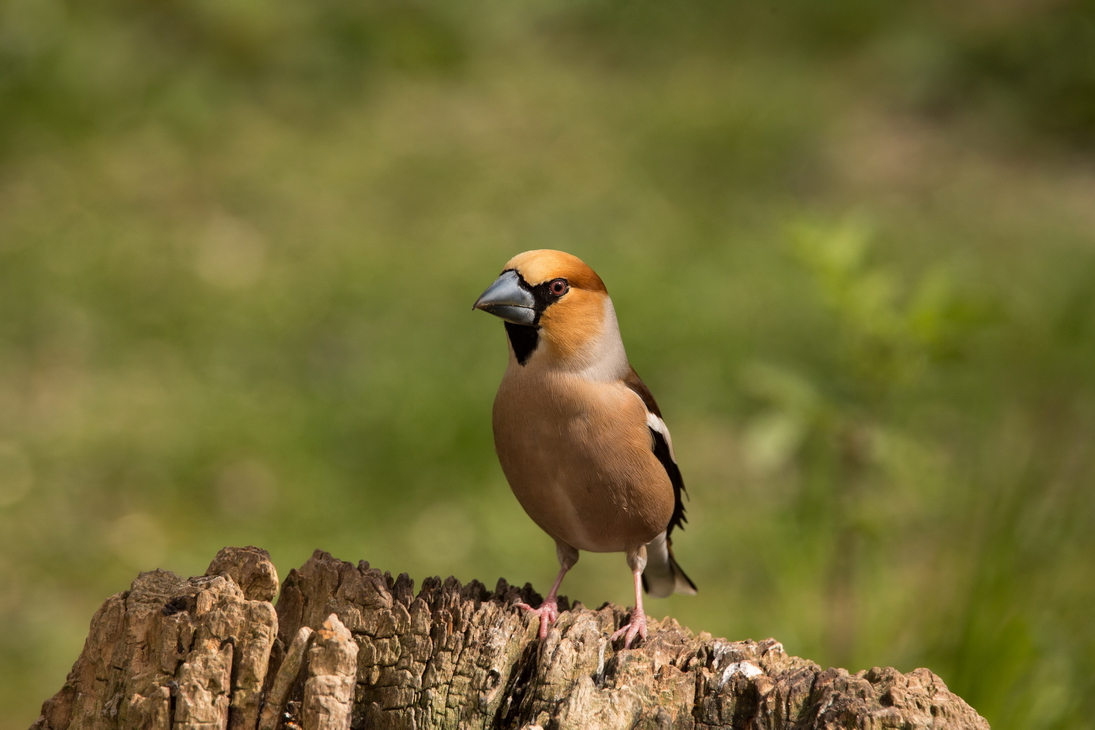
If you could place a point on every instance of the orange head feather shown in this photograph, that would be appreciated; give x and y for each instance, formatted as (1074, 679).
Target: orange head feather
(544, 264)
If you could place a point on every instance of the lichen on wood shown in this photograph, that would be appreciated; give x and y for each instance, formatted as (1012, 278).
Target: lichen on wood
(349, 646)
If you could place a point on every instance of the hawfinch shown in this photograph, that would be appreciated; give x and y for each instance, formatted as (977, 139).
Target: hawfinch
(579, 436)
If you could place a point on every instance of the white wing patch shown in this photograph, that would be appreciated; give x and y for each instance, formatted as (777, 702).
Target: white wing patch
(658, 425)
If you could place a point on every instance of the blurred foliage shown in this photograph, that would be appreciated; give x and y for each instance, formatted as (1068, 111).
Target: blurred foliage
(84, 67)
(1030, 66)
(850, 245)
(827, 420)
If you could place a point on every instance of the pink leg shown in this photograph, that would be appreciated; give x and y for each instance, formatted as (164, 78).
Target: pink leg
(549, 609)
(637, 625)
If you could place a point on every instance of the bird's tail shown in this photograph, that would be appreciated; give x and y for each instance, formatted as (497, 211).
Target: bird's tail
(662, 576)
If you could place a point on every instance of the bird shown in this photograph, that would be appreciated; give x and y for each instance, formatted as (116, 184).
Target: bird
(578, 434)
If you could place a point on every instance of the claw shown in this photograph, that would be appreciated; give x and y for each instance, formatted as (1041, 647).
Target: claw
(548, 612)
(635, 627)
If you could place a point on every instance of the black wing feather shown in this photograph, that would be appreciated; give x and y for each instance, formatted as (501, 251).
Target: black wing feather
(661, 450)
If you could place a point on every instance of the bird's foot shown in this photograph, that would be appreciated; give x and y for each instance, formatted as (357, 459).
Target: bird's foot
(635, 627)
(548, 612)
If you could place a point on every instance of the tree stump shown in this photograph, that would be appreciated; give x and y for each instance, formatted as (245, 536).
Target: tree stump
(348, 646)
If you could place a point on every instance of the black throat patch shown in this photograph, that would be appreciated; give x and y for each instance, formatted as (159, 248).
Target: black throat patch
(524, 340)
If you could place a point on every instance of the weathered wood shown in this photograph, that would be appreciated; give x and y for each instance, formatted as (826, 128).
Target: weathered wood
(349, 646)
(286, 676)
(332, 667)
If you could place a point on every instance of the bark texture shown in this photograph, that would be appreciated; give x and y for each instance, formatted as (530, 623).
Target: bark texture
(350, 647)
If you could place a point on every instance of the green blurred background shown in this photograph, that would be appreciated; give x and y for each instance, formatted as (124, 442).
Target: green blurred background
(851, 244)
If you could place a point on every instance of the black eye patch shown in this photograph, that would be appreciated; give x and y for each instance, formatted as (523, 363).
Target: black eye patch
(525, 338)
(545, 294)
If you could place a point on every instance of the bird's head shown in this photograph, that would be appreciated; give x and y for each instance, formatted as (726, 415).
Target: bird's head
(554, 304)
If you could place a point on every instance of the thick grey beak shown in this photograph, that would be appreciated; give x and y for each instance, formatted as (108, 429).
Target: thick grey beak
(506, 298)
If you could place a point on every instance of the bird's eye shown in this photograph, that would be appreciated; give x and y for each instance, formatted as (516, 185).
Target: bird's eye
(559, 287)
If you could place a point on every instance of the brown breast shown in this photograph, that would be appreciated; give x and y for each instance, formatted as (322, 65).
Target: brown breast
(578, 456)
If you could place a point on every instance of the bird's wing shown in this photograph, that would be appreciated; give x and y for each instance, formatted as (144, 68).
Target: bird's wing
(662, 446)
